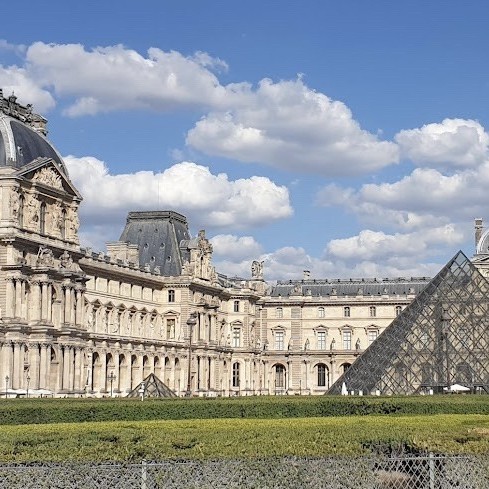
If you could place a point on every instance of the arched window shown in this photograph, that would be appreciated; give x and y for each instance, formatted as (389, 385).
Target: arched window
(346, 312)
(346, 366)
(320, 312)
(42, 218)
(236, 374)
(279, 376)
(323, 375)
(398, 310)
(171, 295)
(372, 311)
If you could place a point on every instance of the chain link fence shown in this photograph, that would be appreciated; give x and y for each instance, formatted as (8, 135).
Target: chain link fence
(430, 472)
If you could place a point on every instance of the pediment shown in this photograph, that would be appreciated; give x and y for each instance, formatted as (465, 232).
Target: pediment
(48, 173)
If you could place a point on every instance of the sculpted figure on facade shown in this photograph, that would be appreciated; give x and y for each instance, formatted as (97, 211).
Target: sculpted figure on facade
(56, 218)
(65, 261)
(48, 177)
(257, 270)
(31, 211)
(14, 204)
(73, 222)
(45, 257)
(90, 318)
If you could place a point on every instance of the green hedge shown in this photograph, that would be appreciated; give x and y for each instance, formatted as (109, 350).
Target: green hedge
(41, 411)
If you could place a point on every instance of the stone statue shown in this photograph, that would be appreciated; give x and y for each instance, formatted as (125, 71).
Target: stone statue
(357, 344)
(73, 222)
(65, 261)
(257, 270)
(31, 211)
(306, 346)
(45, 257)
(56, 218)
(14, 204)
(48, 177)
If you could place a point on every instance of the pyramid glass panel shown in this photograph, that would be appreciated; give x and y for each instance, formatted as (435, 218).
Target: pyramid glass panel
(441, 340)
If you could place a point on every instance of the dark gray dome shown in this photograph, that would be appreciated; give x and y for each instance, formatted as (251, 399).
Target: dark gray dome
(22, 135)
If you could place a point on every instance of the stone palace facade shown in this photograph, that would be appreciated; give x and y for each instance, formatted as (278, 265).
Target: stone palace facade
(75, 322)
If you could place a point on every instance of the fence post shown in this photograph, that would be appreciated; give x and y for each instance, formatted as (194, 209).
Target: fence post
(144, 474)
(431, 464)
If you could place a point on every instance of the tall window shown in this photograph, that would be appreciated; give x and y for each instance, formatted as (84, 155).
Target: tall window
(398, 310)
(279, 376)
(347, 340)
(236, 337)
(320, 312)
(171, 295)
(346, 312)
(322, 375)
(321, 340)
(279, 340)
(42, 218)
(372, 311)
(279, 313)
(236, 374)
(236, 306)
(170, 328)
(372, 336)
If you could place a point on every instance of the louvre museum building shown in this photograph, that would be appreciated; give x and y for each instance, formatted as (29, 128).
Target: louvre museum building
(74, 322)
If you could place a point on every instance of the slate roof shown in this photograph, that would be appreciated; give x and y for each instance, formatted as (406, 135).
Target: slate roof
(350, 287)
(158, 235)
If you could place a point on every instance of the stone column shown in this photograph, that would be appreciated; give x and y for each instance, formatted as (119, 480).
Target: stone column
(35, 302)
(43, 381)
(23, 300)
(7, 362)
(18, 298)
(72, 306)
(10, 308)
(34, 364)
(71, 367)
(44, 301)
(67, 304)
(80, 308)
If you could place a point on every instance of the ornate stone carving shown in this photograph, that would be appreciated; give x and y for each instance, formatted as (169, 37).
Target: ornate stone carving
(73, 222)
(14, 204)
(56, 218)
(65, 261)
(45, 257)
(49, 177)
(31, 211)
(257, 270)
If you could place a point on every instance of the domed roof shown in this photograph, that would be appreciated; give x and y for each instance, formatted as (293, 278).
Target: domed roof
(22, 135)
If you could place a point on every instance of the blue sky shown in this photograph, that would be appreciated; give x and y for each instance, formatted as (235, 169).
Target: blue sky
(345, 137)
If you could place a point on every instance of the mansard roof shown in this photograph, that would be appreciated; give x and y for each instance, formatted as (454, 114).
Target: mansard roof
(158, 235)
(22, 135)
(350, 287)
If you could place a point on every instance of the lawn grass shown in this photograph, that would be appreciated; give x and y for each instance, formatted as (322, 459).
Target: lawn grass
(244, 438)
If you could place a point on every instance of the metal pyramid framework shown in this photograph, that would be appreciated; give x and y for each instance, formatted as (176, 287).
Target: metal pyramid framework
(152, 386)
(441, 339)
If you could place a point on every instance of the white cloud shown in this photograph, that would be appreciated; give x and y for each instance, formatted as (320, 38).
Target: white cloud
(290, 126)
(209, 200)
(114, 77)
(453, 143)
(379, 247)
(235, 248)
(18, 81)
(14, 48)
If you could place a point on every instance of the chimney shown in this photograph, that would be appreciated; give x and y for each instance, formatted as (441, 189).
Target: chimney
(479, 227)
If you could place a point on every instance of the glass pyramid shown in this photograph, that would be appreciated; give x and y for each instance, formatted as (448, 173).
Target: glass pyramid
(152, 386)
(439, 343)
